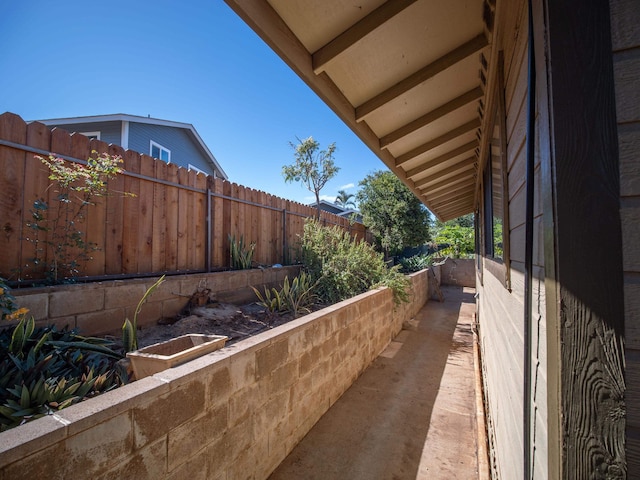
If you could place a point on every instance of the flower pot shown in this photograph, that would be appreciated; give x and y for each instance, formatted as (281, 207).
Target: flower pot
(160, 356)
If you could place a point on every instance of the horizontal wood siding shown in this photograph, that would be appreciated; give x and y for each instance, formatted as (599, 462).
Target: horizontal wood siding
(625, 35)
(501, 310)
(166, 227)
(184, 150)
(110, 132)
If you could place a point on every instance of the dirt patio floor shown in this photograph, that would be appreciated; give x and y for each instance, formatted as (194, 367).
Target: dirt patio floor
(410, 415)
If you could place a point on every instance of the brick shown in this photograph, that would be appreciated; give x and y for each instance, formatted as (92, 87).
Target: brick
(74, 301)
(30, 437)
(271, 357)
(123, 295)
(243, 403)
(38, 304)
(161, 415)
(148, 463)
(100, 447)
(105, 321)
(186, 440)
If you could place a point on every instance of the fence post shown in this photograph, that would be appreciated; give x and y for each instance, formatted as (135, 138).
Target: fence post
(284, 236)
(208, 229)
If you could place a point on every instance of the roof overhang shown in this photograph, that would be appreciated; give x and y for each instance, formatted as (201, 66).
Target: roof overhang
(407, 76)
(123, 117)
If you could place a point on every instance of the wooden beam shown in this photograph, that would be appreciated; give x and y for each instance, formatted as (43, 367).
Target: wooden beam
(422, 75)
(358, 31)
(458, 211)
(464, 176)
(455, 206)
(437, 142)
(580, 181)
(466, 164)
(465, 187)
(452, 197)
(443, 158)
(432, 116)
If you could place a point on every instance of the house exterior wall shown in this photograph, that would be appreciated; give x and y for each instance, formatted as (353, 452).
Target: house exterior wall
(183, 149)
(625, 35)
(109, 131)
(501, 283)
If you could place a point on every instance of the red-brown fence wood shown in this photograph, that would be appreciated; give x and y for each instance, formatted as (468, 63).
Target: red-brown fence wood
(175, 220)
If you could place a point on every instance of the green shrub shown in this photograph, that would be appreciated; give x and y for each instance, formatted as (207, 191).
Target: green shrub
(240, 257)
(343, 267)
(415, 263)
(296, 296)
(43, 370)
(9, 310)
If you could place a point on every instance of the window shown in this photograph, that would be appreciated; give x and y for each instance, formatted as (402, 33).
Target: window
(91, 135)
(160, 152)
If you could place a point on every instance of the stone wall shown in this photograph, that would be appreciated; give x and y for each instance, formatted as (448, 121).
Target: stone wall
(101, 307)
(234, 413)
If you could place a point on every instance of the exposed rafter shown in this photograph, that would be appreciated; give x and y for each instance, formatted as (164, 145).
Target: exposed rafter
(464, 187)
(466, 164)
(436, 142)
(448, 197)
(432, 116)
(431, 70)
(358, 31)
(467, 147)
(449, 182)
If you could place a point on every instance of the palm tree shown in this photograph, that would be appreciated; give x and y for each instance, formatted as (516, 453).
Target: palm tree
(344, 199)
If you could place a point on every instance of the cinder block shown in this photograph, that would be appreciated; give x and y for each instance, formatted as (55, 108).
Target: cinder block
(31, 437)
(148, 462)
(123, 295)
(101, 446)
(283, 377)
(243, 403)
(240, 438)
(242, 370)
(188, 439)
(193, 469)
(38, 305)
(173, 306)
(96, 323)
(271, 357)
(74, 301)
(149, 315)
(157, 417)
(219, 385)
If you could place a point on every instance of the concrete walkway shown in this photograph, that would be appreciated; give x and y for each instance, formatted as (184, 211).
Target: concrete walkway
(410, 415)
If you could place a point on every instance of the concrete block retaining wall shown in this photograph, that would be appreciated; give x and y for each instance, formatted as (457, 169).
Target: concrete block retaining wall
(457, 271)
(101, 307)
(234, 413)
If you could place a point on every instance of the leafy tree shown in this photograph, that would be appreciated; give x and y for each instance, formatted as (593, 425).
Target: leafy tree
(313, 167)
(392, 212)
(344, 199)
(457, 236)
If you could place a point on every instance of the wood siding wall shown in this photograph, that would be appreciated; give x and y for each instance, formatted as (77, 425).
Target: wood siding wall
(501, 312)
(625, 33)
(163, 229)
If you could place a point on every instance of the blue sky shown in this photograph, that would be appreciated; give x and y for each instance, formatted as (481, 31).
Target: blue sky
(194, 62)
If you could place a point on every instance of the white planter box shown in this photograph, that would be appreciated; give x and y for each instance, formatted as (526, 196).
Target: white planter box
(160, 356)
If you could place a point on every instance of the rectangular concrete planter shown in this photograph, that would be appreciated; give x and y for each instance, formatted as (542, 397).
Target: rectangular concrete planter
(160, 356)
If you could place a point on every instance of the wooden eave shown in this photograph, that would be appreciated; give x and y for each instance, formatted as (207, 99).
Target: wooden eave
(407, 76)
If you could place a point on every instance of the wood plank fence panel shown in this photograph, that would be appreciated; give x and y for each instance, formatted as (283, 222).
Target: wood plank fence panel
(161, 227)
(96, 215)
(147, 201)
(114, 222)
(12, 172)
(131, 230)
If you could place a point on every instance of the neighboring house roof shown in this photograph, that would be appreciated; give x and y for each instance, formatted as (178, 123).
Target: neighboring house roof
(122, 117)
(338, 210)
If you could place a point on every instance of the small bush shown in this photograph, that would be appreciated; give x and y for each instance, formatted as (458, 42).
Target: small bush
(343, 267)
(296, 296)
(43, 370)
(415, 263)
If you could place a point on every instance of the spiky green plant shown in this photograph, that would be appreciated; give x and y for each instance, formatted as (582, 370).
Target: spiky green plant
(241, 258)
(129, 329)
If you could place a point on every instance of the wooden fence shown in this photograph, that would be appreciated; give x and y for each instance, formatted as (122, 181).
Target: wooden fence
(178, 221)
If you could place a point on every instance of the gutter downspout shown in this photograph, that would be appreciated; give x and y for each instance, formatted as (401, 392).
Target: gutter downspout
(528, 250)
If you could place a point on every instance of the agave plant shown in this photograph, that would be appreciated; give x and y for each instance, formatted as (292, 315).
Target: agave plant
(43, 370)
(241, 257)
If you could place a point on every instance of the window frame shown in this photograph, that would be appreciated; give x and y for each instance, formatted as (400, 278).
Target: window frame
(160, 148)
(95, 134)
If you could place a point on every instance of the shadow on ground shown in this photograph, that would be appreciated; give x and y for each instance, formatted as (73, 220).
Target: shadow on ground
(410, 414)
